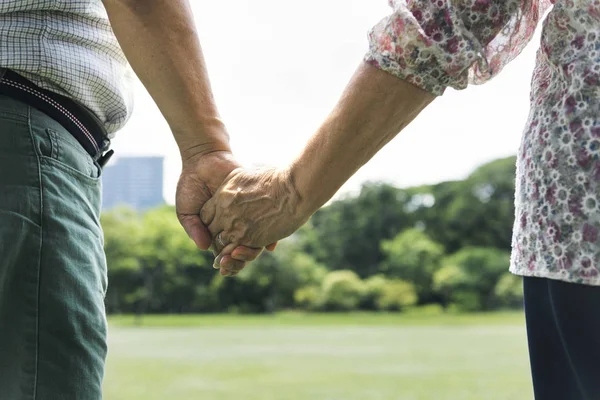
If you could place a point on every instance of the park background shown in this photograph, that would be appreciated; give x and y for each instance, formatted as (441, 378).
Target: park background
(397, 289)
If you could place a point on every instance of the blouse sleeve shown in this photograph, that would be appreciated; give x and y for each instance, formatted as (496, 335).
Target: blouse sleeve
(434, 44)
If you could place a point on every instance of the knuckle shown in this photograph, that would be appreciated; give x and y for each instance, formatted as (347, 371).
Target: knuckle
(205, 214)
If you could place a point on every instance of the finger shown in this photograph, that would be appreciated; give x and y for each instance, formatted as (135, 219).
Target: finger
(216, 248)
(220, 241)
(208, 211)
(244, 253)
(216, 227)
(223, 252)
(229, 264)
(272, 246)
(196, 230)
(217, 261)
(227, 273)
(234, 270)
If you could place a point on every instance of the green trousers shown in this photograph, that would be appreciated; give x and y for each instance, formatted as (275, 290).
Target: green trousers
(52, 263)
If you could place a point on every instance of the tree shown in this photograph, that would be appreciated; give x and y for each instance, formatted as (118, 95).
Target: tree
(172, 266)
(374, 287)
(468, 277)
(122, 245)
(309, 298)
(342, 291)
(398, 233)
(271, 282)
(509, 291)
(412, 256)
(478, 211)
(347, 234)
(397, 295)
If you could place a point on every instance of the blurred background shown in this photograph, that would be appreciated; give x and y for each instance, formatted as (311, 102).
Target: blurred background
(397, 289)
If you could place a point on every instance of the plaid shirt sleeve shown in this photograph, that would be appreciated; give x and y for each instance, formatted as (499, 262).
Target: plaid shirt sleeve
(67, 46)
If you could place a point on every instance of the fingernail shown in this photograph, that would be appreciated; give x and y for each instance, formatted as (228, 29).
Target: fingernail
(241, 257)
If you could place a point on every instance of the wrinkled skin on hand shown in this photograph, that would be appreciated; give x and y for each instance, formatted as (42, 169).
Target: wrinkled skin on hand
(253, 208)
(200, 178)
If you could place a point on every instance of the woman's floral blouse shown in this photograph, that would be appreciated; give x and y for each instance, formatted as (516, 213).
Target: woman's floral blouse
(439, 43)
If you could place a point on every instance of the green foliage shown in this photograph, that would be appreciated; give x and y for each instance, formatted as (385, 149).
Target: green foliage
(509, 291)
(271, 282)
(171, 263)
(397, 295)
(373, 290)
(468, 277)
(377, 250)
(306, 270)
(122, 244)
(122, 239)
(348, 232)
(153, 266)
(380, 293)
(412, 256)
(478, 211)
(342, 291)
(309, 298)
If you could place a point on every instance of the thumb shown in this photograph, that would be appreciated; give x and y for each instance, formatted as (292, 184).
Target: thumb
(208, 211)
(196, 230)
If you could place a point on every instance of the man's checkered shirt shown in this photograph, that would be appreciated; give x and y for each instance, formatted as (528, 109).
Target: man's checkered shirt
(68, 46)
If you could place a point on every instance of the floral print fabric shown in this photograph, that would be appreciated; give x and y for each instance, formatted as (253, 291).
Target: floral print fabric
(439, 43)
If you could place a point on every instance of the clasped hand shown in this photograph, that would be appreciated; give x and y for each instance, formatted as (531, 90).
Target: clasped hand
(251, 210)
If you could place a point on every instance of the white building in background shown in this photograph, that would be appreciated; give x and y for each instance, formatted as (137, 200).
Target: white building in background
(136, 182)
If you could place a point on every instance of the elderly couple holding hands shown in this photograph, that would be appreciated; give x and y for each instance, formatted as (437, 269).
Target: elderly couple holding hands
(64, 92)
(418, 51)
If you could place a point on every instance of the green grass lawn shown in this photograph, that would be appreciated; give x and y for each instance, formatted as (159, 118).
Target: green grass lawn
(299, 356)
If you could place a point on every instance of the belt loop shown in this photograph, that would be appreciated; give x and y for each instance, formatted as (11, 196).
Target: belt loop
(2, 72)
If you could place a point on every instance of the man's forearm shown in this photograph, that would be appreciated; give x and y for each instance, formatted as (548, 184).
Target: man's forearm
(373, 109)
(160, 41)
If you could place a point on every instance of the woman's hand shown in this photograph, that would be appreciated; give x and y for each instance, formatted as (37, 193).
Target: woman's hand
(257, 208)
(200, 178)
(252, 208)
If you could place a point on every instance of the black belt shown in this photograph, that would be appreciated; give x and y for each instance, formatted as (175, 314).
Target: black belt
(76, 119)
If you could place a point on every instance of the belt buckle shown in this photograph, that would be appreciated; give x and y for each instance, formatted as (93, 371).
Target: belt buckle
(103, 159)
(104, 154)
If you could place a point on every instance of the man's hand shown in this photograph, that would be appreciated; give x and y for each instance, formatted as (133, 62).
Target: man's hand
(258, 208)
(200, 178)
(160, 42)
(252, 209)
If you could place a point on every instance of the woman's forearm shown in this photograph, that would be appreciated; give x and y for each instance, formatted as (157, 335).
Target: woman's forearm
(256, 208)
(372, 110)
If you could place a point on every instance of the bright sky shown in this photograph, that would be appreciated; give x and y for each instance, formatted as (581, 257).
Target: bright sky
(278, 67)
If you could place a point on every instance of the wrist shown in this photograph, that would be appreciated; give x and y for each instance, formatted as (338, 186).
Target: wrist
(203, 175)
(192, 151)
(297, 178)
(205, 137)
